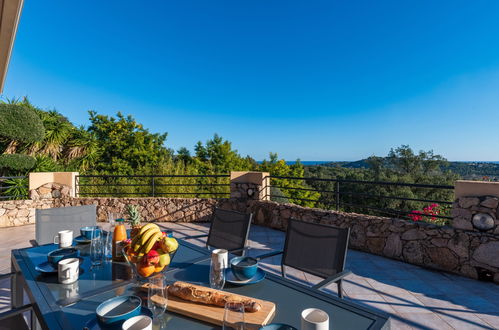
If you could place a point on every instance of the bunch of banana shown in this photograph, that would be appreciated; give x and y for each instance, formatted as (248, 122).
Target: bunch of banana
(143, 242)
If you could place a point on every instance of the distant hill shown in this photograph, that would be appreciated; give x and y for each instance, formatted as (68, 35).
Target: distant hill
(467, 170)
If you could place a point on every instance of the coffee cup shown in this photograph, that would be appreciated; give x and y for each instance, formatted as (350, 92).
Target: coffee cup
(314, 319)
(88, 232)
(68, 270)
(244, 268)
(64, 238)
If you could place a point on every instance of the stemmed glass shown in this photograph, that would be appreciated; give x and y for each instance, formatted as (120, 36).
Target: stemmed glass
(157, 298)
(233, 316)
(96, 247)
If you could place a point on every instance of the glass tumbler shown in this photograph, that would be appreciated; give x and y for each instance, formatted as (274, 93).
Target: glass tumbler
(233, 316)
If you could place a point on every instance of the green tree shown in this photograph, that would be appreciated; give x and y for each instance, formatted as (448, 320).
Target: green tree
(125, 146)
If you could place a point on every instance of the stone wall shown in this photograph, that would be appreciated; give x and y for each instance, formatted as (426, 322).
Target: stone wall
(21, 212)
(469, 253)
(153, 209)
(476, 213)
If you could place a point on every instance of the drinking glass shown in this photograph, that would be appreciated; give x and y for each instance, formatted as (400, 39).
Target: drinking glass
(157, 298)
(217, 276)
(96, 247)
(107, 240)
(233, 316)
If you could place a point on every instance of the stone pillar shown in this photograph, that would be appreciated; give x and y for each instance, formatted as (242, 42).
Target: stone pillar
(476, 206)
(250, 185)
(43, 185)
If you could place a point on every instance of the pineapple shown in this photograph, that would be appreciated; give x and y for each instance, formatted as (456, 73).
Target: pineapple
(134, 219)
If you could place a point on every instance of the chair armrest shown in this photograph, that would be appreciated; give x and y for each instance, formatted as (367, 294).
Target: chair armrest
(195, 236)
(331, 279)
(15, 311)
(268, 255)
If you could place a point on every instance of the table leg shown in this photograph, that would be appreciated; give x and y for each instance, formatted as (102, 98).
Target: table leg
(16, 288)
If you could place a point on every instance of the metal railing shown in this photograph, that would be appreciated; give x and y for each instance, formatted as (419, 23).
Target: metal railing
(13, 187)
(208, 186)
(371, 197)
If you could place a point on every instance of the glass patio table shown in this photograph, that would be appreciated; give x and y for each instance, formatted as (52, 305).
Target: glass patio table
(59, 306)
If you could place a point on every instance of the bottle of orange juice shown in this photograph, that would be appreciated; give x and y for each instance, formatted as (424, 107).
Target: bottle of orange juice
(119, 237)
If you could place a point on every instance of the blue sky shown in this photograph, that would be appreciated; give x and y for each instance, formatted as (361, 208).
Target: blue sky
(315, 80)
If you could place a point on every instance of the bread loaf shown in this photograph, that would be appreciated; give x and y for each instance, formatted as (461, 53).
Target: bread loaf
(208, 296)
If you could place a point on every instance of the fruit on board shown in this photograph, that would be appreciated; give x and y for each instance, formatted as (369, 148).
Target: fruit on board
(169, 244)
(145, 269)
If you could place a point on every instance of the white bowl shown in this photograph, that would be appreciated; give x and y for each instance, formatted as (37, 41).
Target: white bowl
(141, 322)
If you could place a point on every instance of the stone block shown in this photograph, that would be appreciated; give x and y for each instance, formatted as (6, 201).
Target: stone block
(462, 223)
(413, 234)
(443, 257)
(466, 202)
(490, 202)
(488, 254)
(393, 246)
(413, 252)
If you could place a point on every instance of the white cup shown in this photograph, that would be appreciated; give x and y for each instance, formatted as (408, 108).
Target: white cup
(64, 238)
(219, 258)
(314, 319)
(68, 270)
(141, 322)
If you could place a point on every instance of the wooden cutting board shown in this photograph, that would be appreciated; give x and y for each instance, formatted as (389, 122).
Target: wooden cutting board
(215, 314)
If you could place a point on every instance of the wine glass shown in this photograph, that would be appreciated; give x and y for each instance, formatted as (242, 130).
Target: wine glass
(233, 316)
(157, 298)
(96, 247)
(217, 276)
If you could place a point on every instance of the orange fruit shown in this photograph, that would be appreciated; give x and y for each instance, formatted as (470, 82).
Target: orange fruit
(158, 268)
(145, 270)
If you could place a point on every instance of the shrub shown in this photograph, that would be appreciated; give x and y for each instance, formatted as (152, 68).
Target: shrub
(20, 123)
(17, 162)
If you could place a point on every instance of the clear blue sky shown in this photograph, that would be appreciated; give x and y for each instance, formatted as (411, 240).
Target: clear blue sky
(316, 80)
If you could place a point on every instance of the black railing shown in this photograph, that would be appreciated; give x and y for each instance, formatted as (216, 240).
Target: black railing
(13, 187)
(208, 186)
(373, 197)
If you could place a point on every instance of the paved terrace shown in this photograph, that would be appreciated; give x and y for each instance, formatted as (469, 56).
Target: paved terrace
(416, 298)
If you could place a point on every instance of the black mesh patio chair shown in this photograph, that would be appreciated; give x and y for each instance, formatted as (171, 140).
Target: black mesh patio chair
(228, 230)
(316, 249)
(14, 318)
(50, 221)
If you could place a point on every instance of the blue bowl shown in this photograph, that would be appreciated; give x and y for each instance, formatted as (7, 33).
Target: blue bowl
(244, 268)
(57, 255)
(87, 231)
(277, 326)
(118, 309)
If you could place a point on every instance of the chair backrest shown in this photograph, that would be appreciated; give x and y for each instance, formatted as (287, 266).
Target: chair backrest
(50, 221)
(314, 248)
(229, 230)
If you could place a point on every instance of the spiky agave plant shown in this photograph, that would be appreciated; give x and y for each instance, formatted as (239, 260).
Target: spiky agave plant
(134, 219)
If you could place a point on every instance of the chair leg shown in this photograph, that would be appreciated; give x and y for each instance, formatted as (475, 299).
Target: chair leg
(340, 289)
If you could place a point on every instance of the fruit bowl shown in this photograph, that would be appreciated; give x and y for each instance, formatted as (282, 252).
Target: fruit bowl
(141, 269)
(150, 251)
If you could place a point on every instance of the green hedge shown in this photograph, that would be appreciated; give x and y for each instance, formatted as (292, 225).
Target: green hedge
(20, 123)
(17, 162)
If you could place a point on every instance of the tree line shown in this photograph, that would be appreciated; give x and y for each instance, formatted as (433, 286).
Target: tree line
(33, 139)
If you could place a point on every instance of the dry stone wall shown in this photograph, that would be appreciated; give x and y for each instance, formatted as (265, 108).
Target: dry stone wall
(20, 212)
(469, 253)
